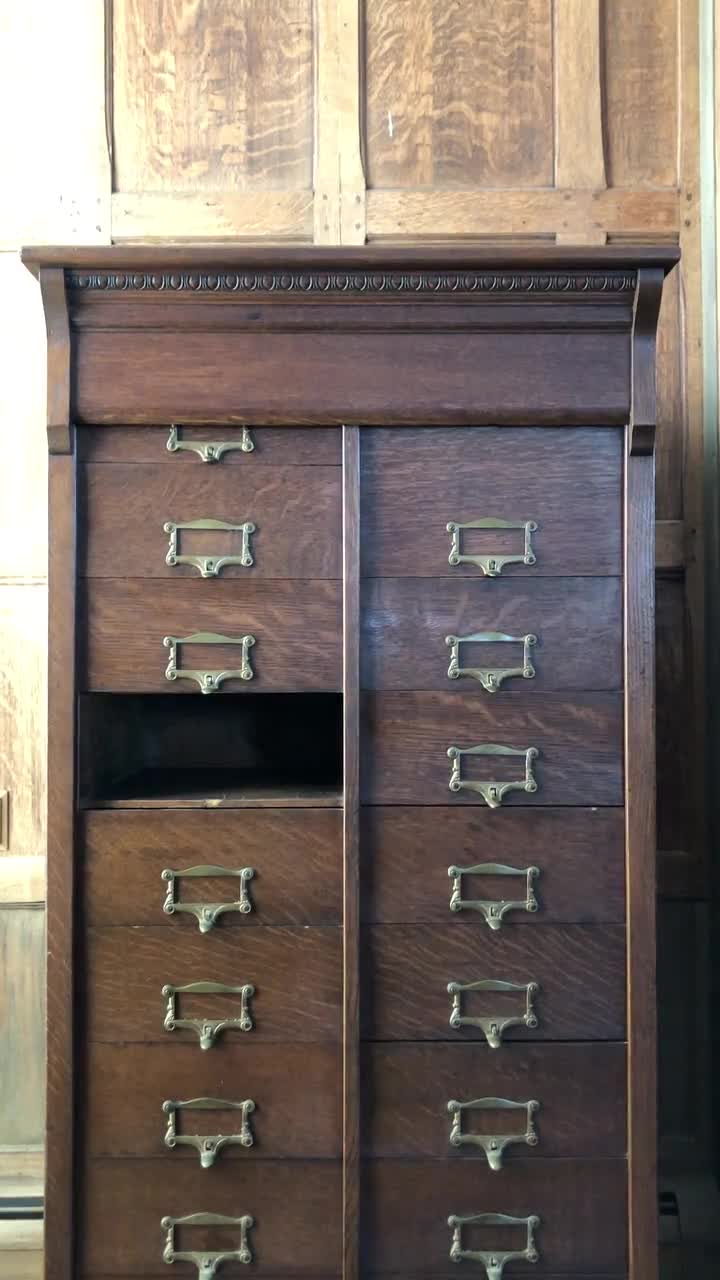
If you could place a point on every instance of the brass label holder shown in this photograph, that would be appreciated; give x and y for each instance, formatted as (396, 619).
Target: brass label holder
(209, 1146)
(209, 450)
(491, 678)
(207, 914)
(493, 911)
(493, 1260)
(493, 1025)
(208, 1264)
(492, 792)
(492, 565)
(209, 681)
(492, 1144)
(210, 566)
(208, 1029)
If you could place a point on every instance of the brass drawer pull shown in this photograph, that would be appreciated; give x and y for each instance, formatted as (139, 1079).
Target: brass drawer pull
(207, 913)
(209, 681)
(491, 678)
(209, 450)
(492, 1260)
(492, 910)
(493, 793)
(493, 1025)
(492, 1144)
(208, 1029)
(208, 1264)
(210, 566)
(208, 1145)
(492, 565)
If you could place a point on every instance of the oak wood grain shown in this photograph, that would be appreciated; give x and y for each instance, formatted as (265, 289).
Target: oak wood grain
(415, 482)
(296, 1090)
(296, 973)
(578, 736)
(579, 853)
(295, 856)
(580, 970)
(576, 621)
(279, 447)
(580, 1087)
(296, 625)
(295, 511)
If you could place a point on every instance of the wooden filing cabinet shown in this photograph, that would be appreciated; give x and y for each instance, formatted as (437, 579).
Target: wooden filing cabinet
(351, 828)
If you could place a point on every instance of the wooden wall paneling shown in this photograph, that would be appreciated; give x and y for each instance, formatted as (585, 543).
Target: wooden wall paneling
(212, 119)
(643, 114)
(339, 179)
(22, 1016)
(577, 64)
(23, 684)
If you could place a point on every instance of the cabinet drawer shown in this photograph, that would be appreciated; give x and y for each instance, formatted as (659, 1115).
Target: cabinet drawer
(296, 1207)
(295, 857)
(567, 483)
(569, 628)
(296, 1090)
(286, 521)
(279, 446)
(578, 738)
(295, 973)
(581, 1205)
(580, 1089)
(296, 627)
(579, 972)
(579, 854)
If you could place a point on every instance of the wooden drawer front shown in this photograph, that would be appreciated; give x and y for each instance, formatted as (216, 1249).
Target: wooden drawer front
(295, 512)
(296, 1207)
(579, 971)
(278, 446)
(576, 624)
(295, 856)
(580, 1089)
(296, 1090)
(296, 625)
(581, 1205)
(580, 856)
(296, 975)
(417, 481)
(407, 736)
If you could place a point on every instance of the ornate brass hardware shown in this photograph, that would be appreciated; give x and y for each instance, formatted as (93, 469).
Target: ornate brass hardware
(492, 1260)
(492, 565)
(492, 1144)
(209, 681)
(209, 566)
(493, 792)
(208, 1145)
(208, 1264)
(492, 910)
(493, 1025)
(208, 1029)
(207, 913)
(209, 450)
(491, 678)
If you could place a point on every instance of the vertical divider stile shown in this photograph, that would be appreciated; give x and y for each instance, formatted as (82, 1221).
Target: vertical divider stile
(351, 851)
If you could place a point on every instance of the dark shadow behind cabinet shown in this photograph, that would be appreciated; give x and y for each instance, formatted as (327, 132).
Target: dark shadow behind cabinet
(351, 875)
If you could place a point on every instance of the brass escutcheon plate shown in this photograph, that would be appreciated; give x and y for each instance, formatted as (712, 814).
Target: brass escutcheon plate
(208, 1145)
(491, 678)
(208, 1264)
(208, 1029)
(493, 792)
(209, 566)
(493, 1025)
(491, 565)
(493, 911)
(493, 1145)
(493, 1260)
(207, 914)
(209, 681)
(209, 450)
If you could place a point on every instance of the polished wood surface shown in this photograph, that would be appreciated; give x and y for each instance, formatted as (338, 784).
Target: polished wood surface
(576, 622)
(579, 854)
(414, 482)
(295, 510)
(580, 1089)
(578, 737)
(296, 1090)
(297, 628)
(580, 971)
(295, 971)
(294, 855)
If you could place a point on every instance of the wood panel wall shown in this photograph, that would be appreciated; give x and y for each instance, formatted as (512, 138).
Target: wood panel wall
(339, 121)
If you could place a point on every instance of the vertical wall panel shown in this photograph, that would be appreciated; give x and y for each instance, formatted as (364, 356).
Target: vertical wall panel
(22, 1055)
(212, 97)
(641, 91)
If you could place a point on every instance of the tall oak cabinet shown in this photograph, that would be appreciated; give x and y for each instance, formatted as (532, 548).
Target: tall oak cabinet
(351, 782)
